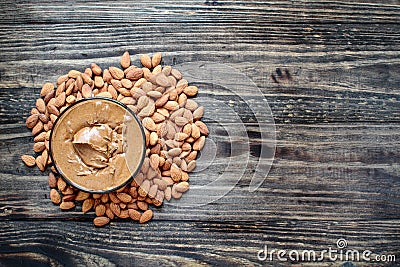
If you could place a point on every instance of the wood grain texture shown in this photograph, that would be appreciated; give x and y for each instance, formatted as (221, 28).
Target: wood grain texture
(336, 169)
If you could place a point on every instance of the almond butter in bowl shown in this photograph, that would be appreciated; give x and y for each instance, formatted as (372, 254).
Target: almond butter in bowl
(97, 145)
(86, 133)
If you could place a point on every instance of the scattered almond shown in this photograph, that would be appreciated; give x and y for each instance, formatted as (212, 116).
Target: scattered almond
(101, 221)
(146, 216)
(28, 160)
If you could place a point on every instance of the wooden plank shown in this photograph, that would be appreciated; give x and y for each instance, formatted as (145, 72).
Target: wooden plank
(186, 243)
(187, 11)
(344, 172)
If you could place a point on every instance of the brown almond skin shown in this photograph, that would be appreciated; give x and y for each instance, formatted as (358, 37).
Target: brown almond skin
(55, 196)
(52, 180)
(142, 205)
(87, 205)
(146, 61)
(39, 147)
(134, 214)
(116, 73)
(41, 105)
(82, 196)
(28, 160)
(32, 120)
(67, 205)
(146, 216)
(101, 221)
(95, 69)
(202, 127)
(100, 210)
(156, 59)
(125, 60)
(124, 197)
(46, 88)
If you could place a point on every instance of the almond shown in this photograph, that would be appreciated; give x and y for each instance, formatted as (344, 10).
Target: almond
(98, 81)
(181, 85)
(126, 83)
(73, 73)
(86, 91)
(67, 205)
(191, 90)
(115, 208)
(135, 74)
(198, 113)
(37, 128)
(28, 160)
(55, 196)
(46, 89)
(156, 59)
(81, 195)
(134, 214)
(195, 131)
(199, 144)
(124, 214)
(142, 205)
(61, 185)
(104, 94)
(101, 221)
(171, 105)
(32, 120)
(191, 166)
(175, 194)
(60, 100)
(192, 156)
(154, 161)
(95, 69)
(146, 216)
(167, 193)
(175, 173)
(124, 197)
(154, 94)
(148, 110)
(144, 188)
(52, 109)
(87, 205)
(176, 73)
(100, 210)
(39, 163)
(174, 152)
(191, 105)
(107, 76)
(180, 137)
(146, 61)
(39, 147)
(181, 121)
(149, 124)
(41, 105)
(79, 83)
(182, 187)
(125, 60)
(162, 80)
(116, 73)
(202, 127)
(52, 180)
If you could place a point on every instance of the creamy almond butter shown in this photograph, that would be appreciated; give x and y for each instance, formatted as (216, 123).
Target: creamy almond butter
(97, 145)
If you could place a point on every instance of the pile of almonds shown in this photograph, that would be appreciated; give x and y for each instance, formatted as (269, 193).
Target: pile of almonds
(160, 97)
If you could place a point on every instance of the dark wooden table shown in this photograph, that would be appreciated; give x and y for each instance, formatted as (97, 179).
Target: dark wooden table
(336, 172)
